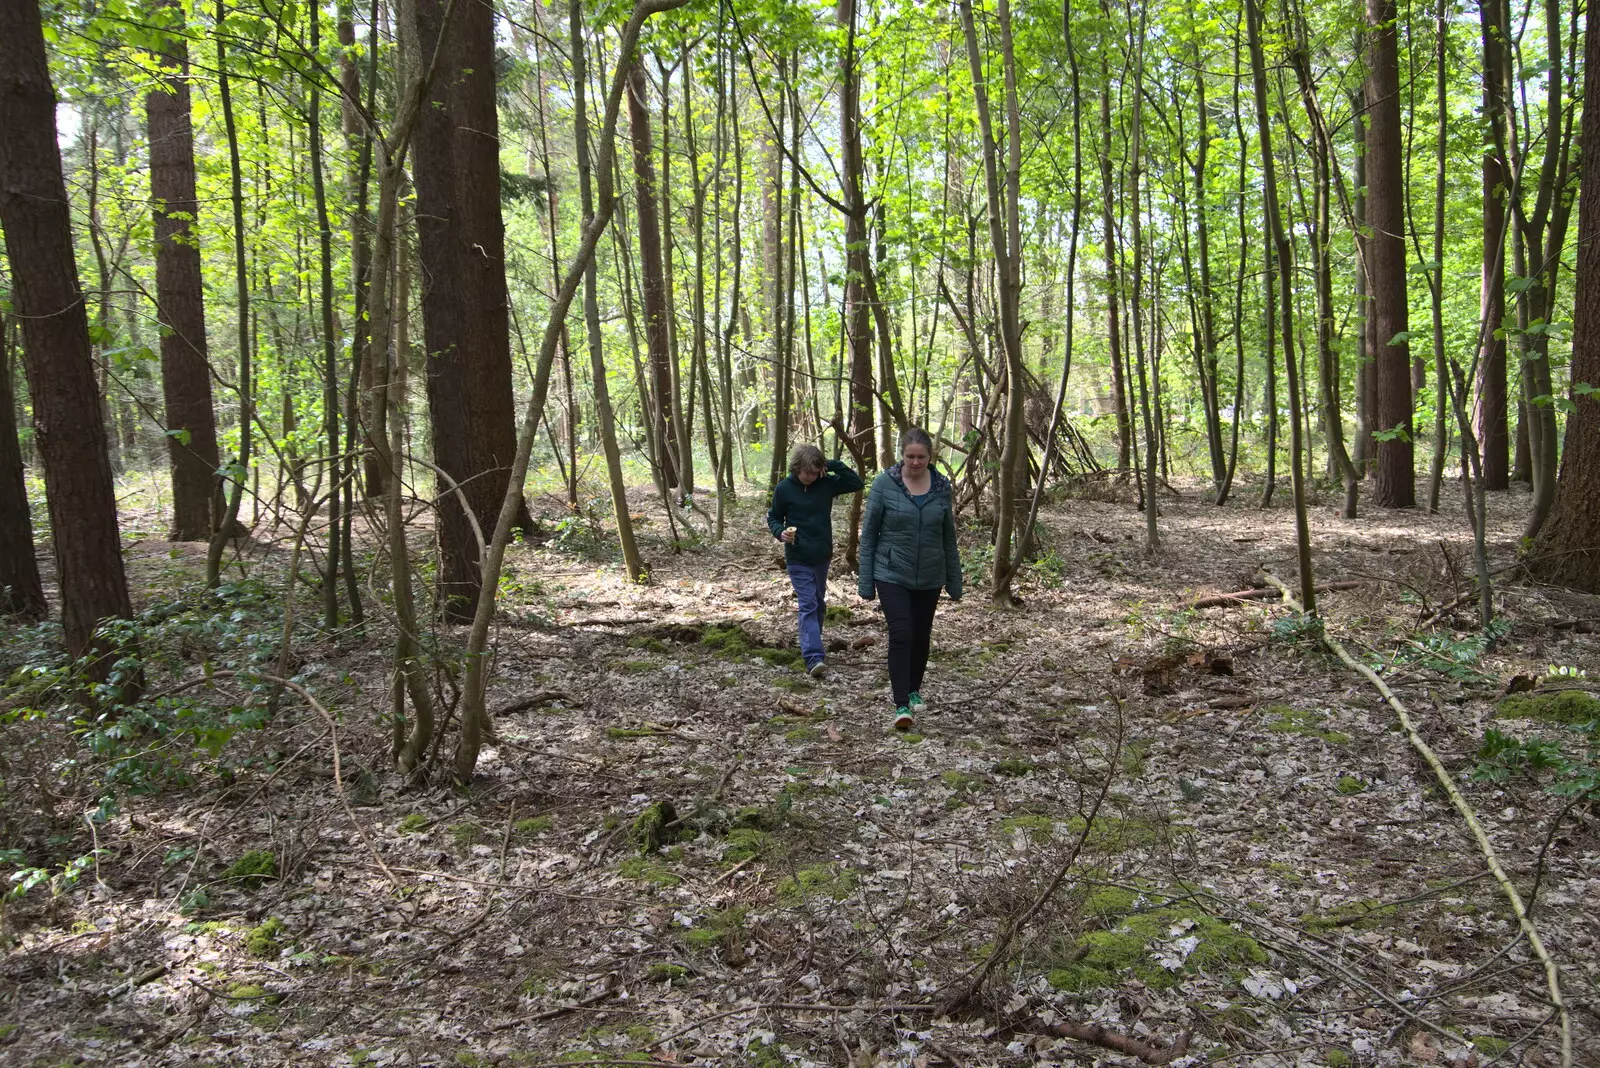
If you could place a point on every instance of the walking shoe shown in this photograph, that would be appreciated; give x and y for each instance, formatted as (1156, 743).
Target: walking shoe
(817, 670)
(902, 719)
(916, 704)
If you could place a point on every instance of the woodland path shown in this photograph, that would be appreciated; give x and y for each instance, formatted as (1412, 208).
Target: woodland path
(1271, 871)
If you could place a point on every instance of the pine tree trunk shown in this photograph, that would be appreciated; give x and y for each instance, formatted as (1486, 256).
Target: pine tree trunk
(21, 592)
(46, 296)
(1386, 262)
(180, 304)
(464, 301)
(652, 277)
(1567, 550)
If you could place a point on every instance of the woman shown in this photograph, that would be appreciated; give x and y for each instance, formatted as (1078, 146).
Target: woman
(908, 552)
(801, 517)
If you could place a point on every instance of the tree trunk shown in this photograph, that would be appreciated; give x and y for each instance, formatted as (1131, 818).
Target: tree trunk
(1567, 549)
(1386, 261)
(21, 592)
(661, 403)
(464, 301)
(1280, 241)
(1489, 414)
(592, 221)
(180, 302)
(46, 296)
(856, 315)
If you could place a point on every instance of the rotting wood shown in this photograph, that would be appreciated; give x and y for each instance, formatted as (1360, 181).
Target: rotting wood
(1447, 783)
(1148, 1051)
(532, 701)
(1262, 593)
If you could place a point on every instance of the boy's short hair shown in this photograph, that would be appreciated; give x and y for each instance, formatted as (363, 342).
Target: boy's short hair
(806, 458)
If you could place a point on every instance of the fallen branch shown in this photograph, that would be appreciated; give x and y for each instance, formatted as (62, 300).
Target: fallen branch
(1261, 593)
(532, 701)
(1149, 1052)
(1552, 974)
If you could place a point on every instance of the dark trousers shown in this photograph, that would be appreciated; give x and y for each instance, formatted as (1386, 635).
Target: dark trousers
(909, 614)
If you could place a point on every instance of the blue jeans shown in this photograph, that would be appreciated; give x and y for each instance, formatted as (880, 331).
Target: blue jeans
(811, 589)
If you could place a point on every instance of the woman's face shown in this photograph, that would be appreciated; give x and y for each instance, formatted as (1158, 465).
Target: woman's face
(915, 458)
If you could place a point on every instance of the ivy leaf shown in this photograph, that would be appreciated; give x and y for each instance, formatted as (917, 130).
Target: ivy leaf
(180, 435)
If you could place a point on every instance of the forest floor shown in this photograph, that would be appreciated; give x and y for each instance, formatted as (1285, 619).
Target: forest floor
(1274, 872)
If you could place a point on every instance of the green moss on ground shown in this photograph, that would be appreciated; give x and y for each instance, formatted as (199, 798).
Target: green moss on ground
(823, 880)
(252, 869)
(1570, 707)
(262, 941)
(648, 871)
(412, 823)
(1105, 958)
(532, 825)
(1303, 721)
(1350, 785)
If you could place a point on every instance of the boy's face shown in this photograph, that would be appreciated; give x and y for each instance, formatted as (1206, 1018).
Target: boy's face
(808, 475)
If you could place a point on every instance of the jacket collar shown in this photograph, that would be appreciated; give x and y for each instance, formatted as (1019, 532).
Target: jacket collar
(937, 483)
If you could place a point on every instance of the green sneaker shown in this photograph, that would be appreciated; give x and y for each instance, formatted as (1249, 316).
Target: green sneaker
(916, 704)
(903, 720)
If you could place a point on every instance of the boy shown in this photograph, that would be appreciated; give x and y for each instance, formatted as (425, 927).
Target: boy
(801, 517)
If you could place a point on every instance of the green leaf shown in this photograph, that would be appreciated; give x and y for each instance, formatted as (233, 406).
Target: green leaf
(1403, 337)
(180, 435)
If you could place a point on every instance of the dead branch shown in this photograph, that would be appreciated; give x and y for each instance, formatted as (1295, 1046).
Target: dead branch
(532, 701)
(1149, 1052)
(1447, 783)
(1261, 593)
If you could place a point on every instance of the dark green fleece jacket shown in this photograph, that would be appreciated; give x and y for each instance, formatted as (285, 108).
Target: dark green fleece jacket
(809, 509)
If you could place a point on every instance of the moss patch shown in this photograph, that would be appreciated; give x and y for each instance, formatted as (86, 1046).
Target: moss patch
(744, 843)
(655, 826)
(666, 973)
(1012, 768)
(412, 823)
(1037, 828)
(1133, 946)
(824, 880)
(792, 683)
(262, 941)
(1303, 721)
(532, 825)
(720, 927)
(252, 869)
(636, 667)
(1359, 915)
(648, 871)
(1571, 707)
(1349, 785)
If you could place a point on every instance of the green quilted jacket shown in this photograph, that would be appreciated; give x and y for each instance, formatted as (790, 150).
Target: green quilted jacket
(906, 542)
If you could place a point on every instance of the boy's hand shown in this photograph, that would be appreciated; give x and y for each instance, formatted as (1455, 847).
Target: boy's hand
(787, 535)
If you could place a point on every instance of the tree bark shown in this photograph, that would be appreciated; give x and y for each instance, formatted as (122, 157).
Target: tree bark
(1489, 415)
(21, 592)
(857, 315)
(464, 301)
(1567, 549)
(1395, 486)
(653, 280)
(47, 297)
(180, 300)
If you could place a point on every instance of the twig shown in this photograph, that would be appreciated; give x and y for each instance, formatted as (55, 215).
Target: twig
(1552, 974)
(533, 700)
